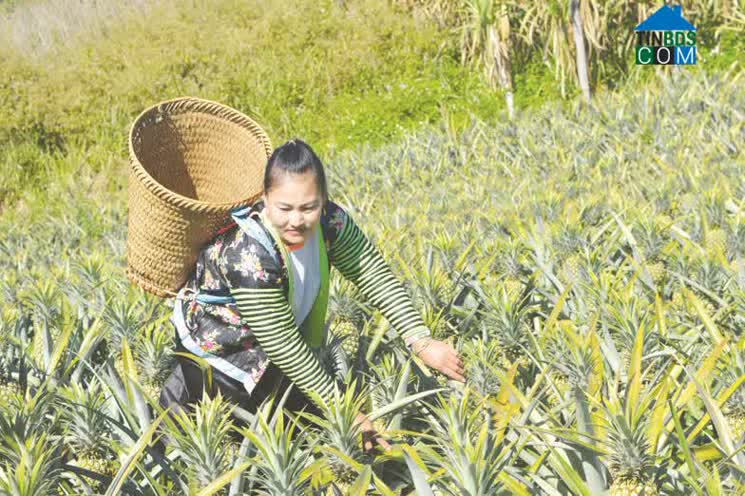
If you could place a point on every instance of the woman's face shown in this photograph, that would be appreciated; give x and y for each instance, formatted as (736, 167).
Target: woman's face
(294, 205)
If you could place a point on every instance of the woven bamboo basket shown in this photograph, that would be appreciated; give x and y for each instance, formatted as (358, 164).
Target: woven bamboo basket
(192, 162)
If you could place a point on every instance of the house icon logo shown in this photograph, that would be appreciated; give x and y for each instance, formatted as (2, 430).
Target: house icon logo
(666, 38)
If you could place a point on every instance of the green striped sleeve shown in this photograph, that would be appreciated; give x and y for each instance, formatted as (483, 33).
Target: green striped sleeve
(361, 262)
(267, 313)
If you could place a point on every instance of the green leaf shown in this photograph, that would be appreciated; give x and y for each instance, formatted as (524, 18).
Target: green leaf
(721, 400)
(223, 480)
(720, 423)
(687, 455)
(635, 384)
(131, 460)
(362, 483)
(60, 347)
(705, 317)
(402, 403)
(553, 318)
(418, 477)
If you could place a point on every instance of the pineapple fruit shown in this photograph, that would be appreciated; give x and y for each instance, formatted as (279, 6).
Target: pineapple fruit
(631, 487)
(349, 332)
(657, 271)
(8, 392)
(233, 450)
(716, 242)
(93, 461)
(562, 384)
(348, 316)
(736, 423)
(735, 415)
(39, 345)
(571, 269)
(513, 287)
(663, 222)
(447, 291)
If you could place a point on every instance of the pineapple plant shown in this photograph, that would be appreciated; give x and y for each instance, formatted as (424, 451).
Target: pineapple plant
(650, 233)
(87, 432)
(334, 358)
(282, 457)
(45, 304)
(338, 429)
(570, 238)
(124, 320)
(466, 446)
(202, 435)
(435, 319)
(480, 357)
(510, 261)
(432, 287)
(561, 382)
(154, 357)
(505, 319)
(629, 461)
(7, 349)
(390, 381)
(32, 465)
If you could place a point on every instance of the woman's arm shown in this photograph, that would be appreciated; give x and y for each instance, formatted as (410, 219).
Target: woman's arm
(360, 261)
(255, 280)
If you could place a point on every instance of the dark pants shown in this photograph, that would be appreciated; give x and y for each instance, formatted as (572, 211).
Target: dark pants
(185, 384)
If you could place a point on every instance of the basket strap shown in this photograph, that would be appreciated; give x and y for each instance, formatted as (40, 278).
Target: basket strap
(208, 299)
(204, 297)
(252, 227)
(218, 362)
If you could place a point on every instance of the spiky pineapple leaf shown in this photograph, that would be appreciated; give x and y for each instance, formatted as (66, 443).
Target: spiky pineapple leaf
(720, 424)
(130, 461)
(418, 476)
(225, 479)
(362, 483)
(721, 400)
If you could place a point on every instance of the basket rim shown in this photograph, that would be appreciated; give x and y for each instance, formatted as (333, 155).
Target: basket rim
(160, 191)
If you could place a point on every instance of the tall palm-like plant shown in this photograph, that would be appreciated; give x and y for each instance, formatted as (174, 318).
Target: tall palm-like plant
(547, 24)
(583, 69)
(485, 41)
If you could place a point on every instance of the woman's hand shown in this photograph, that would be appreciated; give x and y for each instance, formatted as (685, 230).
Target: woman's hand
(370, 434)
(440, 356)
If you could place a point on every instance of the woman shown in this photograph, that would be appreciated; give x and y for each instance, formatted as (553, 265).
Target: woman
(263, 291)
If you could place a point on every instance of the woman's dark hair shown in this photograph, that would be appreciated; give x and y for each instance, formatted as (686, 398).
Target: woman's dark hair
(295, 157)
